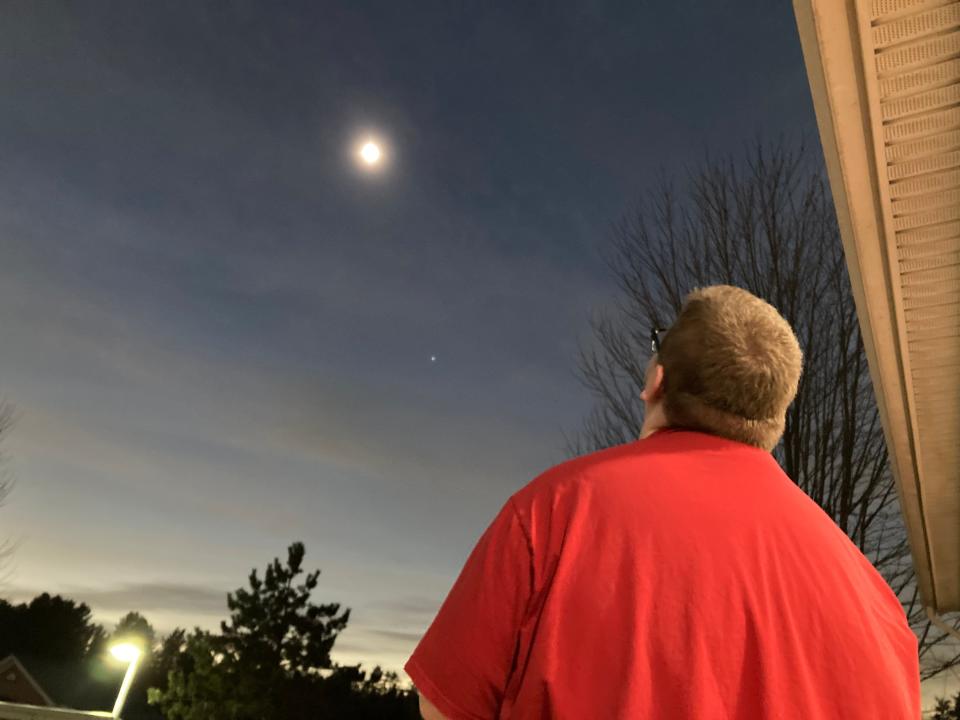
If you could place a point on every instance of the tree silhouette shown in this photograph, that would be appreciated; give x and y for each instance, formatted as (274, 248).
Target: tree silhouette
(945, 710)
(50, 628)
(133, 627)
(165, 658)
(266, 662)
(206, 684)
(275, 628)
(7, 418)
(62, 647)
(766, 224)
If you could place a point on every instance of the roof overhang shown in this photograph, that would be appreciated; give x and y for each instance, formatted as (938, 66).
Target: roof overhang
(885, 80)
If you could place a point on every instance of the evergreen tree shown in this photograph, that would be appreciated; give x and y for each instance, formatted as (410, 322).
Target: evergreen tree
(265, 664)
(133, 627)
(947, 711)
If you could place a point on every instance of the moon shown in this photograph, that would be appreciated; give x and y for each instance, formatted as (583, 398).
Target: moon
(370, 153)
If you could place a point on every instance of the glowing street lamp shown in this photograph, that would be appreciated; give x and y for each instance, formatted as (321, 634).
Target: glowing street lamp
(128, 653)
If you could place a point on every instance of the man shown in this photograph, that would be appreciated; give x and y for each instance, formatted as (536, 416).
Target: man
(681, 575)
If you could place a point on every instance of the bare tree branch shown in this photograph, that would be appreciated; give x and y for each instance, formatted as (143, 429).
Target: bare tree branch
(767, 224)
(7, 420)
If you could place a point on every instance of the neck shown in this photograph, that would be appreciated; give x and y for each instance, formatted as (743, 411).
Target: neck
(653, 420)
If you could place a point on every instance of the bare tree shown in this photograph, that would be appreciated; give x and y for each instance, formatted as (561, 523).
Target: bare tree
(7, 418)
(767, 224)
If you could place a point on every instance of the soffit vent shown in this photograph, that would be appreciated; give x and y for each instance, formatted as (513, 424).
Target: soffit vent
(916, 52)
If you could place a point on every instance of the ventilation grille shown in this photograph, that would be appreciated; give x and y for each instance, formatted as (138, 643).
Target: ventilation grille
(916, 46)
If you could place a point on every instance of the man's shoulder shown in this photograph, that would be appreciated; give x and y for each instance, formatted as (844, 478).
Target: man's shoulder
(666, 448)
(569, 476)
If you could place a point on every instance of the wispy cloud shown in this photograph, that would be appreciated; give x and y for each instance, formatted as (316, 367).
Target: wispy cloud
(399, 635)
(408, 611)
(142, 597)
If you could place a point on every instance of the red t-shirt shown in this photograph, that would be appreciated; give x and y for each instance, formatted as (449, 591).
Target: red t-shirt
(681, 576)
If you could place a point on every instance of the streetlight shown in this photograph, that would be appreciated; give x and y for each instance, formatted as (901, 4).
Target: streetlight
(128, 653)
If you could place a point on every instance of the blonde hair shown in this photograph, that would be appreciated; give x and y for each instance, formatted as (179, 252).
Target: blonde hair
(731, 366)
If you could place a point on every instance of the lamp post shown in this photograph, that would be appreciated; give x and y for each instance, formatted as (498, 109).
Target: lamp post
(130, 654)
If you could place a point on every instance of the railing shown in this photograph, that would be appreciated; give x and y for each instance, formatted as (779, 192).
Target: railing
(15, 711)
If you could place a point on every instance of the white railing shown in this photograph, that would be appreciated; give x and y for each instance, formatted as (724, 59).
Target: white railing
(15, 711)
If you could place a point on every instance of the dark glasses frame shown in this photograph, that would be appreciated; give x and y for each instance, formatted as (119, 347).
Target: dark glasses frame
(655, 338)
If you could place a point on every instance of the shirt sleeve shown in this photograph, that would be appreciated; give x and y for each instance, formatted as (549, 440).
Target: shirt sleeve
(465, 659)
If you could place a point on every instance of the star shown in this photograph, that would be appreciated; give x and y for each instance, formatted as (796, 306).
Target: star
(433, 358)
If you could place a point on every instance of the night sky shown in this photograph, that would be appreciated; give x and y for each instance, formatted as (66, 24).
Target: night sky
(218, 330)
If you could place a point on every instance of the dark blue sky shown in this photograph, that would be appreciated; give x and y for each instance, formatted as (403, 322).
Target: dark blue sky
(218, 331)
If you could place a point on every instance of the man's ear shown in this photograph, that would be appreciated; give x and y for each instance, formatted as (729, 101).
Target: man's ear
(653, 390)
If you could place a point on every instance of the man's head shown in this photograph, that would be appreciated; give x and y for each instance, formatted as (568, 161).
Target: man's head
(729, 366)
